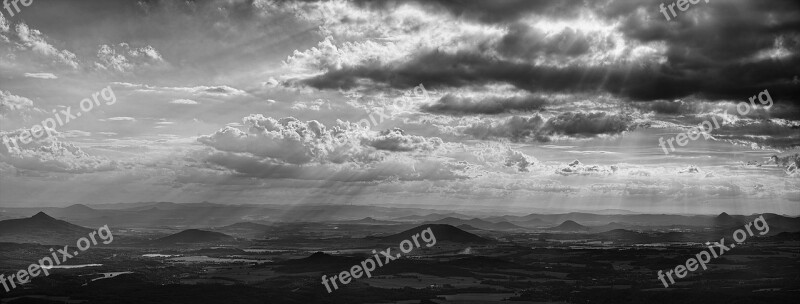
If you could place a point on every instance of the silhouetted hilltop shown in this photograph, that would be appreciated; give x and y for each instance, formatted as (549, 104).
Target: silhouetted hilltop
(442, 232)
(42, 229)
(569, 226)
(725, 220)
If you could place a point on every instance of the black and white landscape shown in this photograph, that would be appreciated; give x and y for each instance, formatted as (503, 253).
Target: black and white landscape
(401, 151)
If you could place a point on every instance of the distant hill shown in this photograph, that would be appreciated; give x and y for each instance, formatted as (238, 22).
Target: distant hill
(369, 221)
(246, 226)
(570, 226)
(157, 206)
(528, 221)
(466, 227)
(193, 236)
(442, 232)
(78, 211)
(779, 223)
(247, 230)
(725, 220)
(651, 220)
(432, 217)
(477, 223)
(506, 226)
(609, 227)
(42, 229)
(457, 221)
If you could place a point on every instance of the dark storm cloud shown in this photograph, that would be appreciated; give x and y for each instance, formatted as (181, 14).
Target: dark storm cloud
(496, 11)
(719, 43)
(526, 42)
(721, 50)
(588, 124)
(574, 124)
(688, 108)
(456, 105)
(666, 81)
(763, 133)
(465, 69)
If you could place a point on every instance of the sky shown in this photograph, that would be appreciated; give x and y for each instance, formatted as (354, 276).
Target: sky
(507, 105)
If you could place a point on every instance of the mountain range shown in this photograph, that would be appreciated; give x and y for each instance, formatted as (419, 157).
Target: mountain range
(229, 218)
(477, 223)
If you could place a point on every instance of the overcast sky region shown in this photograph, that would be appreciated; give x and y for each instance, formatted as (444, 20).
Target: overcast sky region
(508, 105)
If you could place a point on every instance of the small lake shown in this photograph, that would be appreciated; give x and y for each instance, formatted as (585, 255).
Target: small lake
(71, 266)
(158, 255)
(109, 275)
(255, 250)
(206, 259)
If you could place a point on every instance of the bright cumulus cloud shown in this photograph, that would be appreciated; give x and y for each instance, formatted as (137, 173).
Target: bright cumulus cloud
(184, 102)
(41, 75)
